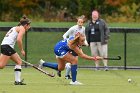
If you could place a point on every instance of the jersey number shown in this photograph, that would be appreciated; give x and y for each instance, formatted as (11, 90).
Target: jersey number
(8, 33)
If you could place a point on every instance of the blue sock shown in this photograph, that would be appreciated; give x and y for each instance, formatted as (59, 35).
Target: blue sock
(51, 65)
(73, 72)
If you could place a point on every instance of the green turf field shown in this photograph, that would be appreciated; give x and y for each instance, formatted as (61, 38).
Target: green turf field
(113, 81)
(40, 45)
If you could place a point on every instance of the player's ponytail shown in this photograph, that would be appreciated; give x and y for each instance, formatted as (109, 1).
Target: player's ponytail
(24, 20)
(76, 39)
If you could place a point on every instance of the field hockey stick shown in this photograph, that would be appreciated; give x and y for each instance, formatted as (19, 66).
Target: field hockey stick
(39, 69)
(113, 58)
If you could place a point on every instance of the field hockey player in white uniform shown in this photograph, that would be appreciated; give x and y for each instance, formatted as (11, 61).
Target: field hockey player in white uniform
(14, 35)
(79, 28)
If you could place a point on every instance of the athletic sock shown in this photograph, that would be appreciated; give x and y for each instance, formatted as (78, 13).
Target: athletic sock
(17, 70)
(51, 65)
(68, 71)
(73, 72)
(105, 62)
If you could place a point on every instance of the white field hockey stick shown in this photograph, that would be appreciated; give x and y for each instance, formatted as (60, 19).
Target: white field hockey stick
(39, 69)
(113, 58)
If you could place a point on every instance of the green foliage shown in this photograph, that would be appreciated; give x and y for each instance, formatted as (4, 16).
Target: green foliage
(68, 10)
(123, 11)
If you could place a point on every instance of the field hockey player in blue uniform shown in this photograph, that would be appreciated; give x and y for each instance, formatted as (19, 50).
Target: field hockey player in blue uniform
(62, 51)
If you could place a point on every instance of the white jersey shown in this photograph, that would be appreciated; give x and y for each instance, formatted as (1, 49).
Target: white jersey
(10, 38)
(73, 31)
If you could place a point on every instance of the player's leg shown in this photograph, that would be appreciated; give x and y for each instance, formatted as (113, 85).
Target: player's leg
(105, 55)
(16, 58)
(5, 55)
(54, 65)
(61, 65)
(68, 65)
(72, 59)
(94, 52)
(68, 70)
(3, 60)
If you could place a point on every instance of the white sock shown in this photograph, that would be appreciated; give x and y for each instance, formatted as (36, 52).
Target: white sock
(97, 64)
(105, 63)
(17, 73)
(68, 69)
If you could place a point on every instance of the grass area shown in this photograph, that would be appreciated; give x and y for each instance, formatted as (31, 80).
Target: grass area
(69, 24)
(129, 25)
(40, 45)
(113, 81)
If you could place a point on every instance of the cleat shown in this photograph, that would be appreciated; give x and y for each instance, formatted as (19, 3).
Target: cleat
(68, 77)
(75, 83)
(106, 69)
(41, 63)
(97, 69)
(59, 73)
(19, 83)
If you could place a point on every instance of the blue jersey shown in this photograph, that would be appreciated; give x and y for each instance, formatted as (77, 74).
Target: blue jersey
(62, 48)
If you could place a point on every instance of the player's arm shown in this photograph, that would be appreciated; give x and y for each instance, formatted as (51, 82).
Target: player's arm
(21, 32)
(68, 33)
(85, 42)
(82, 55)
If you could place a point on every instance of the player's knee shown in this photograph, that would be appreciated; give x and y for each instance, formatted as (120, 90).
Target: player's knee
(2, 65)
(61, 69)
(18, 67)
(74, 61)
(19, 63)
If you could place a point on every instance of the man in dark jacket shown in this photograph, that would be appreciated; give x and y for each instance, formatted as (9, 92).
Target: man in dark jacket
(97, 34)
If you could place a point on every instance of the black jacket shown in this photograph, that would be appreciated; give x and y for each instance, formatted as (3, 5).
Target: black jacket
(104, 30)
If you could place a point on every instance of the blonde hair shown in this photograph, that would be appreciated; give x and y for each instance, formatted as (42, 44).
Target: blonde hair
(77, 38)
